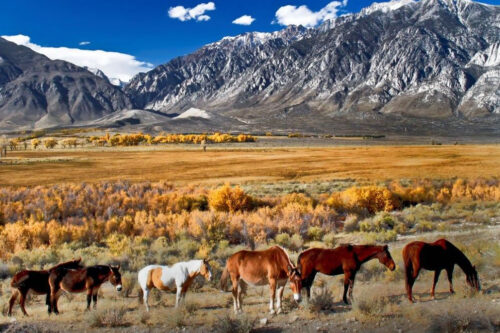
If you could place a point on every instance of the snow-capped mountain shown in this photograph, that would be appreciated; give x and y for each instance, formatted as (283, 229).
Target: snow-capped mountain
(37, 92)
(430, 59)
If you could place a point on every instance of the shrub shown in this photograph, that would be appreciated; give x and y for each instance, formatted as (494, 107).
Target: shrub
(283, 239)
(322, 301)
(113, 317)
(315, 233)
(296, 242)
(329, 239)
(228, 199)
(50, 143)
(35, 143)
(228, 324)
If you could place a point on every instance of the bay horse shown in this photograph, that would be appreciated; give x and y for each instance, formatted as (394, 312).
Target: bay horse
(346, 259)
(87, 279)
(178, 276)
(37, 282)
(258, 268)
(436, 256)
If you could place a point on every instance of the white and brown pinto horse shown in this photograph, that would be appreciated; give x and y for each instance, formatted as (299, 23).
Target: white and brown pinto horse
(258, 268)
(178, 276)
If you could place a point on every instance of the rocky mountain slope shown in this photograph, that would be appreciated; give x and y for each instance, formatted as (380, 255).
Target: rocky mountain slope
(429, 59)
(38, 92)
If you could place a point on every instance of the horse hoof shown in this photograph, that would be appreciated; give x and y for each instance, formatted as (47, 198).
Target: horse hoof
(279, 311)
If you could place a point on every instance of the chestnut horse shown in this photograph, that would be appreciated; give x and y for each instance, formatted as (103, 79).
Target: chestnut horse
(87, 279)
(435, 257)
(179, 276)
(37, 281)
(258, 268)
(345, 259)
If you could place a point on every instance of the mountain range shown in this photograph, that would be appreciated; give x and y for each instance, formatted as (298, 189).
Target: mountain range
(402, 66)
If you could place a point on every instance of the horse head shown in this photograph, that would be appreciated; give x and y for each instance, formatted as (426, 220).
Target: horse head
(115, 277)
(385, 258)
(473, 279)
(295, 282)
(206, 270)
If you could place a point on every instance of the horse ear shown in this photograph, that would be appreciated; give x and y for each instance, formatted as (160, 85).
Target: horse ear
(118, 267)
(386, 247)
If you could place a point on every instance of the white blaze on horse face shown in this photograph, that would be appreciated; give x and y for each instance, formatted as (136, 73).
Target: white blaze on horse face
(119, 287)
(297, 297)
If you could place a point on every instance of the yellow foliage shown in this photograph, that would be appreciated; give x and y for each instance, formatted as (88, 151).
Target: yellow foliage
(228, 199)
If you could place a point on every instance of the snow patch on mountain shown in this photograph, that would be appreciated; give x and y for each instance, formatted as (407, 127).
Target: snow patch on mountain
(386, 6)
(487, 58)
(194, 112)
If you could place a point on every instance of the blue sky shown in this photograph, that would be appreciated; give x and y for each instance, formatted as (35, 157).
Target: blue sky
(143, 28)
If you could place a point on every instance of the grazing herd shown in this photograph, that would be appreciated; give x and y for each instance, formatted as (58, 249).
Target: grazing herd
(271, 267)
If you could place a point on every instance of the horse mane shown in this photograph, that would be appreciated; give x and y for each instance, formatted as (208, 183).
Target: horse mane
(286, 255)
(75, 262)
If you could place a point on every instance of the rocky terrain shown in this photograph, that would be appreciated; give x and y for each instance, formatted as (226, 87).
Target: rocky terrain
(416, 67)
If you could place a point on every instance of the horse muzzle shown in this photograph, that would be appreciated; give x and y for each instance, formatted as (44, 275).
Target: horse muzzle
(297, 298)
(119, 287)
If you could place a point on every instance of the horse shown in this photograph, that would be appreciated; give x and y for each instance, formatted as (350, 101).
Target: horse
(258, 268)
(87, 279)
(179, 276)
(436, 256)
(37, 281)
(345, 259)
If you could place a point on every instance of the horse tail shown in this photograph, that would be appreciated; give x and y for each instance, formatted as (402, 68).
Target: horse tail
(223, 279)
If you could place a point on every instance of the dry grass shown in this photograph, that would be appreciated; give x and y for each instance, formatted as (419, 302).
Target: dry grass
(254, 165)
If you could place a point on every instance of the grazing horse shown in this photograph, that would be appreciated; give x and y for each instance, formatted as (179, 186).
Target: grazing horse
(345, 259)
(258, 268)
(435, 257)
(178, 276)
(87, 279)
(37, 281)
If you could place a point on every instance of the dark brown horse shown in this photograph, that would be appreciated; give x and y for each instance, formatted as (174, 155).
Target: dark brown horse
(258, 268)
(87, 279)
(345, 259)
(435, 257)
(36, 281)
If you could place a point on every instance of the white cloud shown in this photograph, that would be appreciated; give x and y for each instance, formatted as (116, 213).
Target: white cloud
(114, 64)
(84, 43)
(197, 13)
(302, 15)
(244, 20)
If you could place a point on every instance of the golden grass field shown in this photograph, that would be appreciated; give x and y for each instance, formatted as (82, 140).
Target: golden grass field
(188, 166)
(380, 304)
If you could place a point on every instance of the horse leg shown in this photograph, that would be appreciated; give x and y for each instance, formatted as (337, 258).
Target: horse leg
(47, 301)
(411, 272)
(12, 300)
(22, 301)
(234, 291)
(54, 296)
(436, 278)
(242, 288)
(280, 297)
(272, 287)
(178, 296)
(449, 272)
(347, 284)
(94, 297)
(89, 298)
(351, 284)
(145, 295)
(307, 283)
